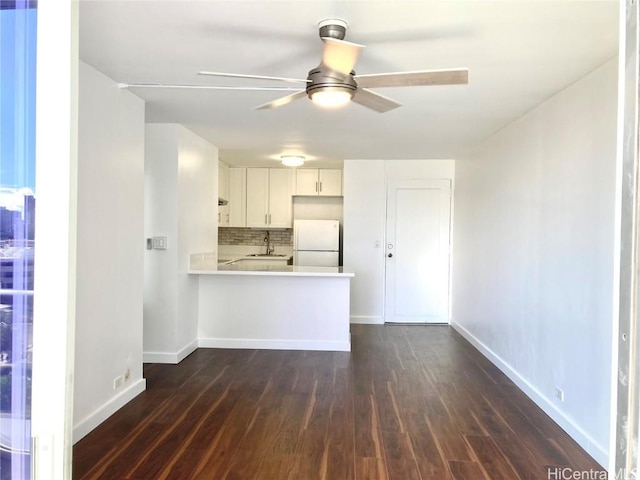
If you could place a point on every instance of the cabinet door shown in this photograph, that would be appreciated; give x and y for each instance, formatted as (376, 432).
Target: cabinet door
(257, 197)
(307, 181)
(223, 215)
(330, 182)
(223, 180)
(280, 198)
(237, 197)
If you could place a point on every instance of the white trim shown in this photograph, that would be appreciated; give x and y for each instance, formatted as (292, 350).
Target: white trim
(273, 344)
(366, 319)
(56, 232)
(170, 357)
(591, 446)
(86, 425)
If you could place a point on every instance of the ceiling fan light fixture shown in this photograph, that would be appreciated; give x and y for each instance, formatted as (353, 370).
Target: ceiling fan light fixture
(292, 160)
(331, 97)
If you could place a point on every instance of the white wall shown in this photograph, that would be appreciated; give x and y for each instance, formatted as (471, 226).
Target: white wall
(109, 249)
(197, 223)
(533, 253)
(160, 219)
(181, 191)
(365, 191)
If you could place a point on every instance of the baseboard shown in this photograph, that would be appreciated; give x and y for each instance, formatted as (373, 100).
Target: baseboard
(366, 320)
(87, 424)
(249, 343)
(593, 448)
(170, 357)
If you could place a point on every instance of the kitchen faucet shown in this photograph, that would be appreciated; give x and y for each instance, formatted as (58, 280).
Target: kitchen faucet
(267, 240)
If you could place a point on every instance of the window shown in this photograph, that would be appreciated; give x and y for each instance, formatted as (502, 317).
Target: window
(17, 215)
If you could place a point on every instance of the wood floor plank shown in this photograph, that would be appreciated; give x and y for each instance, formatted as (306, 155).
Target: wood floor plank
(428, 456)
(466, 471)
(509, 443)
(367, 433)
(490, 458)
(370, 468)
(529, 434)
(449, 438)
(399, 456)
(340, 442)
(409, 402)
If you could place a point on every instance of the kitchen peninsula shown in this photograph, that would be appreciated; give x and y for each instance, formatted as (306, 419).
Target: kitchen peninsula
(271, 306)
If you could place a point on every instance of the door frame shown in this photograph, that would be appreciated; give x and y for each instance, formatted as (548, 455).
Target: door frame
(625, 395)
(55, 239)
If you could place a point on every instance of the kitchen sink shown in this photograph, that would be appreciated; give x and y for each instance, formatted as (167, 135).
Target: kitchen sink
(264, 255)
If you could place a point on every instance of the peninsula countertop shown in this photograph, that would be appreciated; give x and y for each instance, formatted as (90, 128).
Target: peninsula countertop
(204, 264)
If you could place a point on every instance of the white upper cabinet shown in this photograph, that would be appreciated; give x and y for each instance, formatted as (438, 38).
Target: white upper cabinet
(330, 182)
(269, 198)
(223, 181)
(223, 194)
(307, 181)
(237, 197)
(314, 181)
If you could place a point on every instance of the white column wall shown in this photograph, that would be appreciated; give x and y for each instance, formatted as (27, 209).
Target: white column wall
(109, 248)
(533, 253)
(365, 192)
(160, 219)
(364, 220)
(181, 193)
(197, 226)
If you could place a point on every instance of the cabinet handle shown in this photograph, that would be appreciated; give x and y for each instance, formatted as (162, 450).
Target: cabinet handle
(218, 217)
(269, 219)
(265, 219)
(227, 218)
(316, 187)
(320, 187)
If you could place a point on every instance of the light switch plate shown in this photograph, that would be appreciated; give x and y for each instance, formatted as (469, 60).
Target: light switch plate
(160, 243)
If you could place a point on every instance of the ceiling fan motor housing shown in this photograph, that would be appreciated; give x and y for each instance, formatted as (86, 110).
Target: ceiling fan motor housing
(333, 28)
(321, 79)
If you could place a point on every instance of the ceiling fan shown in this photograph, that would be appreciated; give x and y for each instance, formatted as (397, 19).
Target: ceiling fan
(334, 82)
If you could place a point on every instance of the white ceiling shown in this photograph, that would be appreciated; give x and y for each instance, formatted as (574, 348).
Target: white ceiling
(519, 53)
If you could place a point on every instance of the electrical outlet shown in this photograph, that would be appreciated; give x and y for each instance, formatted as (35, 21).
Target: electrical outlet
(127, 375)
(117, 382)
(559, 394)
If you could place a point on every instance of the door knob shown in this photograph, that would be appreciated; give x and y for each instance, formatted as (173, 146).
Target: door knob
(390, 255)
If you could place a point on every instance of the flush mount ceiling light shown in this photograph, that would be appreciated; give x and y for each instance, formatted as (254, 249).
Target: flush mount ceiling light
(292, 160)
(331, 97)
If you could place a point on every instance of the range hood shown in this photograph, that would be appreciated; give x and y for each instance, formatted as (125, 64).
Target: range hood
(222, 201)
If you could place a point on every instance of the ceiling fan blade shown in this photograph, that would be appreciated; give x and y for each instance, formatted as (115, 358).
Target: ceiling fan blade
(456, 76)
(282, 101)
(253, 77)
(206, 87)
(374, 101)
(339, 55)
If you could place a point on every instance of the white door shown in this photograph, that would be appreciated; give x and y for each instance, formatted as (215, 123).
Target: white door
(417, 251)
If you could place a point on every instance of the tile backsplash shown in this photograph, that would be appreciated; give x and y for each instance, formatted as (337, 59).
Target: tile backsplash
(254, 237)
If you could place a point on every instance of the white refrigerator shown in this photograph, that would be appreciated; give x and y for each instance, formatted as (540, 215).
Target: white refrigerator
(316, 242)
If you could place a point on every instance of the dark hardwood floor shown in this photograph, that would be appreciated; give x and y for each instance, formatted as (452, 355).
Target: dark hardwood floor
(409, 402)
